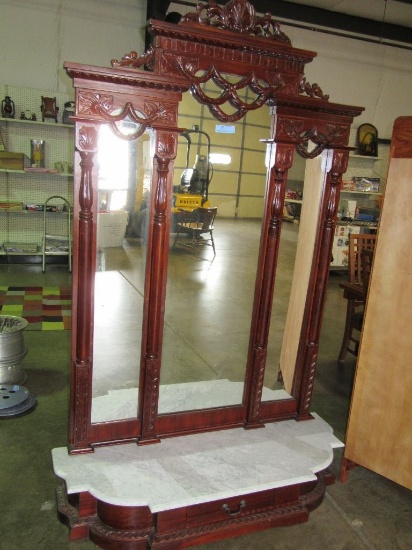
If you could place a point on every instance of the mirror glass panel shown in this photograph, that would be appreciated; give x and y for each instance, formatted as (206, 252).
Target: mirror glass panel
(285, 271)
(124, 186)
(281, 299)
(210, 296)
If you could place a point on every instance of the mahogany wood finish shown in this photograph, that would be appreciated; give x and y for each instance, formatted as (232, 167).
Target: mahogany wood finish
(253, 48)
(204, 47)
(136, 528)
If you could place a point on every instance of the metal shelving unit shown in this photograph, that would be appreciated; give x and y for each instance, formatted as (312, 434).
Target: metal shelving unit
(28, 187)
(54, 244)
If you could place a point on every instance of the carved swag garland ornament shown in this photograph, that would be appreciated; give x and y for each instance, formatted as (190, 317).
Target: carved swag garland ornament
(199, 54)
(240, 16)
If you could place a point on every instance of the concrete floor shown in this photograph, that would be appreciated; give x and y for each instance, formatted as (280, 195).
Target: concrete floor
(367, 512)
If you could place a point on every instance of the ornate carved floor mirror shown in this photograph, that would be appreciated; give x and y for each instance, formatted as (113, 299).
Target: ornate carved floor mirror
(217, 53)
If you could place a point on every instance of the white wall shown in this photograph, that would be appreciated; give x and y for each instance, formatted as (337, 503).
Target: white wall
(38, 36)
(356, 72)
(373, 76)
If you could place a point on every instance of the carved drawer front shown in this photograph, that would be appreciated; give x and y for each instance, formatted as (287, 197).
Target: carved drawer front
(225, 509)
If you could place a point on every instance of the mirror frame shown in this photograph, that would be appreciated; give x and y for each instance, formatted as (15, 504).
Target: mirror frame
(212, 41)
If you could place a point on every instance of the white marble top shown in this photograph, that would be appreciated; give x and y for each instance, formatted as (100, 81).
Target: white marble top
(206, 394)
(193, 469)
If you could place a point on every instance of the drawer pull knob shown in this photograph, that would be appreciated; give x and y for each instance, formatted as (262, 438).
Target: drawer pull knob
(226, 508)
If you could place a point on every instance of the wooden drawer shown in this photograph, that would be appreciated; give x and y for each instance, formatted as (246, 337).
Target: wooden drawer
(222, 510)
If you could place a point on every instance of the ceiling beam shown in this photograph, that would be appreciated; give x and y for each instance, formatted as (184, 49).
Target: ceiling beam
(331, 19)
(312, 17)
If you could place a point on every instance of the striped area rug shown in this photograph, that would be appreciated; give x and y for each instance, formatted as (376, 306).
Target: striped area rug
(45, 308)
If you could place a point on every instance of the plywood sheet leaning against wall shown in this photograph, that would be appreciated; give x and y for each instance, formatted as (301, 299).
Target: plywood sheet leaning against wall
(379, 435)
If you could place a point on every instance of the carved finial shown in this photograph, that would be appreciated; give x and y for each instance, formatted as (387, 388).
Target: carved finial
(312, 90)
(135, 61)
(237, 16)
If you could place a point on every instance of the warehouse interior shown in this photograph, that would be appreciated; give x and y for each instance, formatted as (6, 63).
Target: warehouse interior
(209, 287)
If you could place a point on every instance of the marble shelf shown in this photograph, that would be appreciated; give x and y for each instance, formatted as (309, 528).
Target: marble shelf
(122, 403)
(194, 469)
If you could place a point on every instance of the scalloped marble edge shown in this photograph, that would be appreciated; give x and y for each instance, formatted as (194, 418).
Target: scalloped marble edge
(194, 469)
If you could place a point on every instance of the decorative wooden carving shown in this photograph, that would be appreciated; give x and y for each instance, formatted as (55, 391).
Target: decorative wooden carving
(279, 160)
(237, 16)
(136, 527)
(206, 46)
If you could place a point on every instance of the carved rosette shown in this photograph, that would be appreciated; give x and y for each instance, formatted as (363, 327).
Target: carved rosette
(94, 103)
(163, 114)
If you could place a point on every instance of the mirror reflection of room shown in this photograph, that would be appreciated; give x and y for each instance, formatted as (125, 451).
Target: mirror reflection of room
(220, 167)
(206, 342)
(124, 188)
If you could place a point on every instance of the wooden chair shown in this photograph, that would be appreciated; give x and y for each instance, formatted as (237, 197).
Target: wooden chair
(366, 261)
(355, 290)
(195, 224)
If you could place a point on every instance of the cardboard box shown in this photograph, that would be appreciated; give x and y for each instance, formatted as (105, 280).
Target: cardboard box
(111, 228)
(11, 206)
(13, 161)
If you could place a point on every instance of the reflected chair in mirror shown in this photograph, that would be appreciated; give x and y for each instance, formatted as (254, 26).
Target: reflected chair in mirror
(366, 261)
(198, 226)
(355, 291)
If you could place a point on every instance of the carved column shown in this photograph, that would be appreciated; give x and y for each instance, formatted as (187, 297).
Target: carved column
(279, 158)
(155, 287)
(81, 380)
(336, 165)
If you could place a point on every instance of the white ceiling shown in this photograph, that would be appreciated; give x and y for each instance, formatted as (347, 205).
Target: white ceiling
(386, 21)
(389, 11)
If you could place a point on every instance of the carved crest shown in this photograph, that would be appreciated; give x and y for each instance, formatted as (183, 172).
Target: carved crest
(237, 16)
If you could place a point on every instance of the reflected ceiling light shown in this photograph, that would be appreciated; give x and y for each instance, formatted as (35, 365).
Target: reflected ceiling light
(220, 158)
